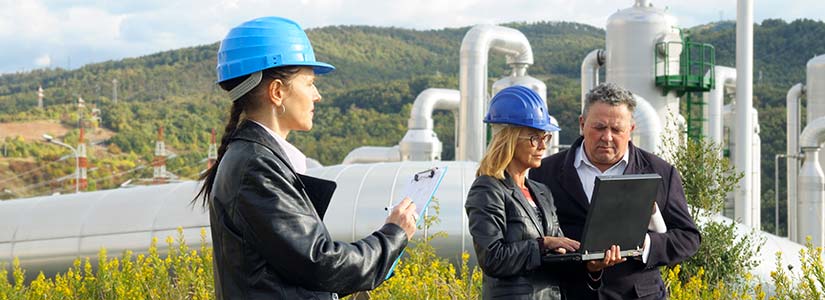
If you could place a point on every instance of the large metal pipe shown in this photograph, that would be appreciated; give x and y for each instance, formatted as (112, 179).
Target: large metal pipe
(420, 143)
(724, 76)
(371, 154)
(475, 48)
(591, 65)
(421, 115)
(792, 162)
(744, 102)
(756, 172)
(810, 207)
(648, 126)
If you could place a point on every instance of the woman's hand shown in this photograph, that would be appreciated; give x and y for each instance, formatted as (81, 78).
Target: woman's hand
(404, 216)
(560, 244)
(612, 257)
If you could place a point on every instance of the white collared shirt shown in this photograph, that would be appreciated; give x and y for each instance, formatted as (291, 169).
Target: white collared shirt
(295, 156)
(588, 172)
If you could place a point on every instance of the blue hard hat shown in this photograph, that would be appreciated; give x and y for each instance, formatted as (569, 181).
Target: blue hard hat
(521, 106)
(266, 43)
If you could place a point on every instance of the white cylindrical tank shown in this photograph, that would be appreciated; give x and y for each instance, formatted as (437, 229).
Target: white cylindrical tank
(815, 90)
(811, 180)
(632, 35)
(811, 198)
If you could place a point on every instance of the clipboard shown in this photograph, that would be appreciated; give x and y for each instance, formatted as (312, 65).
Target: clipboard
(420, 189)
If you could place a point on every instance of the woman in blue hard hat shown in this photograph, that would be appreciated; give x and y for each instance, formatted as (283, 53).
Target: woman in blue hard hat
(512, 218)
(268, 237)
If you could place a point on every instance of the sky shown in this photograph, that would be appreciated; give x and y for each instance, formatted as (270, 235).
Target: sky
(71, 33)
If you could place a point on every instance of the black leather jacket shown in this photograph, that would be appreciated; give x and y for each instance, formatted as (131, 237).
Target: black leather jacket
(505, 227)
(268, 238)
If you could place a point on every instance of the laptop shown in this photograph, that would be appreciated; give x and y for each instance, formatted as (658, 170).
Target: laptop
(619, 214)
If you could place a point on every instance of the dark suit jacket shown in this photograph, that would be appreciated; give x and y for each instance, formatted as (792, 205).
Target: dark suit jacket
(631, 279)
(505, 227)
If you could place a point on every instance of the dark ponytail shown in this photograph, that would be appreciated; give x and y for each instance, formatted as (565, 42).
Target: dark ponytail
(208, 177)
(238, 107)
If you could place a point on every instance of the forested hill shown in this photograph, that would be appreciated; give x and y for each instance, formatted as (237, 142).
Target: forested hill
(367, 99)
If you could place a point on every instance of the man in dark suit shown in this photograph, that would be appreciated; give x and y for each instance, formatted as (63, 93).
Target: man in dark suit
(605, 148)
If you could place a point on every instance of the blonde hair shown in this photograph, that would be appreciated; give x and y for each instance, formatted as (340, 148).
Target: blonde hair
(500, 151)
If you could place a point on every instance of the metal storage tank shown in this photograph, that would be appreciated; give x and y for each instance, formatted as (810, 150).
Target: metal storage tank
(631, 38)
(815, 90)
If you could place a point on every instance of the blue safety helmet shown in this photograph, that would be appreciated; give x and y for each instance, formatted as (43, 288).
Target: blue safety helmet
(521, 106)
(265, 43)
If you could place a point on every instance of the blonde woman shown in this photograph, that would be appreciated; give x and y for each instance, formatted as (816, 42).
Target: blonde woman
(512, 218)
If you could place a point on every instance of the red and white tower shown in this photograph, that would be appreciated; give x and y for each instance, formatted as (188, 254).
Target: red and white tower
(82, 161)
(159, 163)
(212, 155)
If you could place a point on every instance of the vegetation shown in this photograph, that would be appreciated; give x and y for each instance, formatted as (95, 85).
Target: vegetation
(183, 273)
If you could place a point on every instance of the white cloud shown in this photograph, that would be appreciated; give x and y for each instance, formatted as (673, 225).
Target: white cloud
(85, 31)
(43, 61)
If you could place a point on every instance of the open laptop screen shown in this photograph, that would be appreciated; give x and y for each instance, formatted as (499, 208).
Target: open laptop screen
(619, 212)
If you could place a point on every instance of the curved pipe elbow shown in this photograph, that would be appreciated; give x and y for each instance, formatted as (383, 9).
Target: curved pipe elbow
(590, 71)
(648, 124)
(428, 101)
(813, 135)
(510, 42)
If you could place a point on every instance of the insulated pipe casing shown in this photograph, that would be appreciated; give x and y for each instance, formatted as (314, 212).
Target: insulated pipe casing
(792, 163)
(475, 48)
(428, 101)
(370, 154)
(715, 98)
(648, 126)
(743, 162)
(590, 72)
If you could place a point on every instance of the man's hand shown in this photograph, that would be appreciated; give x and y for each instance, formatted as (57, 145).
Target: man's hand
(612, 257)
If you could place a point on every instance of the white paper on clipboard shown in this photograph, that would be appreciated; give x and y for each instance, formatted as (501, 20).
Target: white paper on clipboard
(420, 189)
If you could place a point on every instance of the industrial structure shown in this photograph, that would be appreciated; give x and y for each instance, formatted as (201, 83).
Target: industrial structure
(645, 52)
(806, 184)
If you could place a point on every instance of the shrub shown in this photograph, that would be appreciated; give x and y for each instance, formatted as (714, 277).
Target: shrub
(183, 274)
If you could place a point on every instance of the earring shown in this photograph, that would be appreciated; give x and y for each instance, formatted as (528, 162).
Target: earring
(283, 109)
